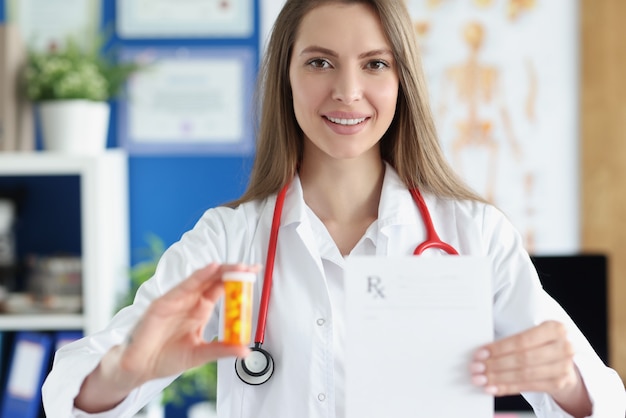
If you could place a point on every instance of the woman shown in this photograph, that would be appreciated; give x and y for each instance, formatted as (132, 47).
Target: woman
(346, 128)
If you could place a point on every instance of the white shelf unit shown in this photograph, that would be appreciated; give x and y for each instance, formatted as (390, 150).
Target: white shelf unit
(104, 233)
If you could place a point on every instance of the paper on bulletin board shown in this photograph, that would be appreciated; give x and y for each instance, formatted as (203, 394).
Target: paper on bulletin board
(180, 19)
(49, 22)
(189, 101)
(413, 324)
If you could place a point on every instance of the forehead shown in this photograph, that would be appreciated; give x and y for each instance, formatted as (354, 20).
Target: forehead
(341, 26)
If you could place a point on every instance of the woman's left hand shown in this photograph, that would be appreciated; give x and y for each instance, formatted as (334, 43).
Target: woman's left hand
(539, 359)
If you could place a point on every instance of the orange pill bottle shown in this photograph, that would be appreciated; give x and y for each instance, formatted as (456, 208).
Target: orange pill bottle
(238, 292)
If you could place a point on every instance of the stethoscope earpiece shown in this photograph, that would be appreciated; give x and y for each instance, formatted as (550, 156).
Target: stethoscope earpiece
(256, 368)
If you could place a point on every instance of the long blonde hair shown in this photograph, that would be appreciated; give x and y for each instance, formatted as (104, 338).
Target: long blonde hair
(410, 144)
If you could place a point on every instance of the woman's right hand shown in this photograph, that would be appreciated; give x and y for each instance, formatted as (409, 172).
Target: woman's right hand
(166, 341)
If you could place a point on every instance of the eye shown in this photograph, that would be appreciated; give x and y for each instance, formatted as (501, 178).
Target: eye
(318, 63)
(377, 65)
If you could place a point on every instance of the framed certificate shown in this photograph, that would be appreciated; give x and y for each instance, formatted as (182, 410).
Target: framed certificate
(185, 19)
(189, 101)
(44, 23)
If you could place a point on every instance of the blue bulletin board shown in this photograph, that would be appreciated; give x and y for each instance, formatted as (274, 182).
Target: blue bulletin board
(195, 96)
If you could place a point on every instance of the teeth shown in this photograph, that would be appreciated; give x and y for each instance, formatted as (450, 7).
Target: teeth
(346, 121)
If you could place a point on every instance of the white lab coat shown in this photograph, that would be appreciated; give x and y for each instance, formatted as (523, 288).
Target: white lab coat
(305, 325)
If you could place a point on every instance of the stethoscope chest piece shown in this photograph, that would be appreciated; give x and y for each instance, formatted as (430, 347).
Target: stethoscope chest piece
(256, 368)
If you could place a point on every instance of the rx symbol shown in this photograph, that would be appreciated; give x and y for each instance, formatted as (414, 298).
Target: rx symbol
(375, 288)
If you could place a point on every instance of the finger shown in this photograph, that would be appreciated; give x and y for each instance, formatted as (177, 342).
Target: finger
(186, 302)
(204, 278)
(200, 279)
(530, 374)
(548, 353)
(542, 334)
(204, 283)
(215, 350)
(545, 378)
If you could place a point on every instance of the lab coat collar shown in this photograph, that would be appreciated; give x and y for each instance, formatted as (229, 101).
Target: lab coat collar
(294, 219)
(396, 206)
(396, 209)
(294, 210)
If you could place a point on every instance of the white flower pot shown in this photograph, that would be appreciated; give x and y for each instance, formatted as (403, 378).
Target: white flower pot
(74, 126)
(202, 410)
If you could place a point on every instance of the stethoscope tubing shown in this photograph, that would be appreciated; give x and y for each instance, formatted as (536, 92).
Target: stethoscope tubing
(432, 238)
(269, 268)
(432, 242)
(261, 376)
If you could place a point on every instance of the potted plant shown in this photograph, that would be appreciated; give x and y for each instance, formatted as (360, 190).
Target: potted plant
(195, 385)
(72, 85)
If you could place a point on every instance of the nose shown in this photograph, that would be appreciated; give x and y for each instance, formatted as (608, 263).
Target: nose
(347, 86)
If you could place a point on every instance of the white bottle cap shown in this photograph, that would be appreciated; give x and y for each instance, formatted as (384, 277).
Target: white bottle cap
(239, 276)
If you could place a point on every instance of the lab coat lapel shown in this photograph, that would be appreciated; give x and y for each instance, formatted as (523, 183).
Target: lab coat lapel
(296, 224)
(399, 221)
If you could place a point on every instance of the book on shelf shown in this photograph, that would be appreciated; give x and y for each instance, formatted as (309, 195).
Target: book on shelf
(26, 370)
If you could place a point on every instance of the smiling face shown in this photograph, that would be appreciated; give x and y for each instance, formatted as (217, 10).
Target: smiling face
(344, 81)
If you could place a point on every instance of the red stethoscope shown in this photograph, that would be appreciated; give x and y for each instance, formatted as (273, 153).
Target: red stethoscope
(258, 366)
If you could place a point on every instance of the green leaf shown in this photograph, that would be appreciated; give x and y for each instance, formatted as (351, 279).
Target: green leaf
(74, 71)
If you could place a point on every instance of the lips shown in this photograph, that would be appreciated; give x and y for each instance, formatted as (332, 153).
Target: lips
(346, 121)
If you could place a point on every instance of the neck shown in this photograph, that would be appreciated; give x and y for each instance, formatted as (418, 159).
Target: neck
(345, 192)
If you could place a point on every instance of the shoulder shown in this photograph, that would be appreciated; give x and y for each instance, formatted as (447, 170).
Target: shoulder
(222, 234)
(465, 210)
(481, 227)
(227, 226)
(226, 218)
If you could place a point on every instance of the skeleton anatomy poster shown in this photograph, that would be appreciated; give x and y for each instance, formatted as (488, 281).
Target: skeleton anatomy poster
(503, 79)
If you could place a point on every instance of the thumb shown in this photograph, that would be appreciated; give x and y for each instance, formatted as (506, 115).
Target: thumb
(212, 351)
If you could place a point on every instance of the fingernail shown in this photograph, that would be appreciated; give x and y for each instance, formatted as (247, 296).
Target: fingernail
(477, 367)
(479, 380)
(482, 354)
(492, 390)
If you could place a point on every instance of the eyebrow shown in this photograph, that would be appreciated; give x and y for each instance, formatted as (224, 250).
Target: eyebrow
(314, 49)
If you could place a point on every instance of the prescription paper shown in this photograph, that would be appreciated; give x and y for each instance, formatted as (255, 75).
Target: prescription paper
(413, 324)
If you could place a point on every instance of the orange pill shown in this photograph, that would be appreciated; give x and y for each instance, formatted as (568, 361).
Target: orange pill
(238, 286)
